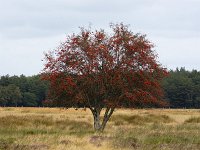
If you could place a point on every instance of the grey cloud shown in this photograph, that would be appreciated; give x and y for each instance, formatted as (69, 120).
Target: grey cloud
(56, 17)
(171, 24)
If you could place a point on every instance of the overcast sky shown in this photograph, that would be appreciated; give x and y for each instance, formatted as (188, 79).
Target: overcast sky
(28, 28)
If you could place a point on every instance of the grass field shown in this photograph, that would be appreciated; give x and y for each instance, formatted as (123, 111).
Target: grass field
(69, 129)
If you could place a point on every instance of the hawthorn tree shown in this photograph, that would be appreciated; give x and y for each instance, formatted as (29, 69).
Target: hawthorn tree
(97, 70)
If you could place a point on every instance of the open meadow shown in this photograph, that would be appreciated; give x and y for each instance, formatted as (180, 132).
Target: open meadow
(70, 129)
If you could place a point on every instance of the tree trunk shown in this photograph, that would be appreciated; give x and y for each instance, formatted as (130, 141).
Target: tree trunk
(107, 115)
(98, 126)
(97, 120)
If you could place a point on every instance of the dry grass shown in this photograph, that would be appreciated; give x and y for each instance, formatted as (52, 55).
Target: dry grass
(61, 129)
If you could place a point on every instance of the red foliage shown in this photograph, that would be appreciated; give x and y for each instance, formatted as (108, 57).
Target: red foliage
(94, 69)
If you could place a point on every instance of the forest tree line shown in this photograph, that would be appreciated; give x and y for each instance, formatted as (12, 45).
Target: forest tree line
(181, 90)
(22, 91)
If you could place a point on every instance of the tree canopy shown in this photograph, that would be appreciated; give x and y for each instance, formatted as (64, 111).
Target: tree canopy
(97, 70)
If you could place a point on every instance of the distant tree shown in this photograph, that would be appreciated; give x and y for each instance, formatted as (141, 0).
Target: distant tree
(15, 96)
(32, 85)
(29, 99)
(38, 87)
(97, 70)
(3, 96)
(182, 88)
(4, 80)
(10, 95)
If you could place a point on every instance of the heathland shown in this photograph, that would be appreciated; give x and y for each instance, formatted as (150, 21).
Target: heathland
(70, 129)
